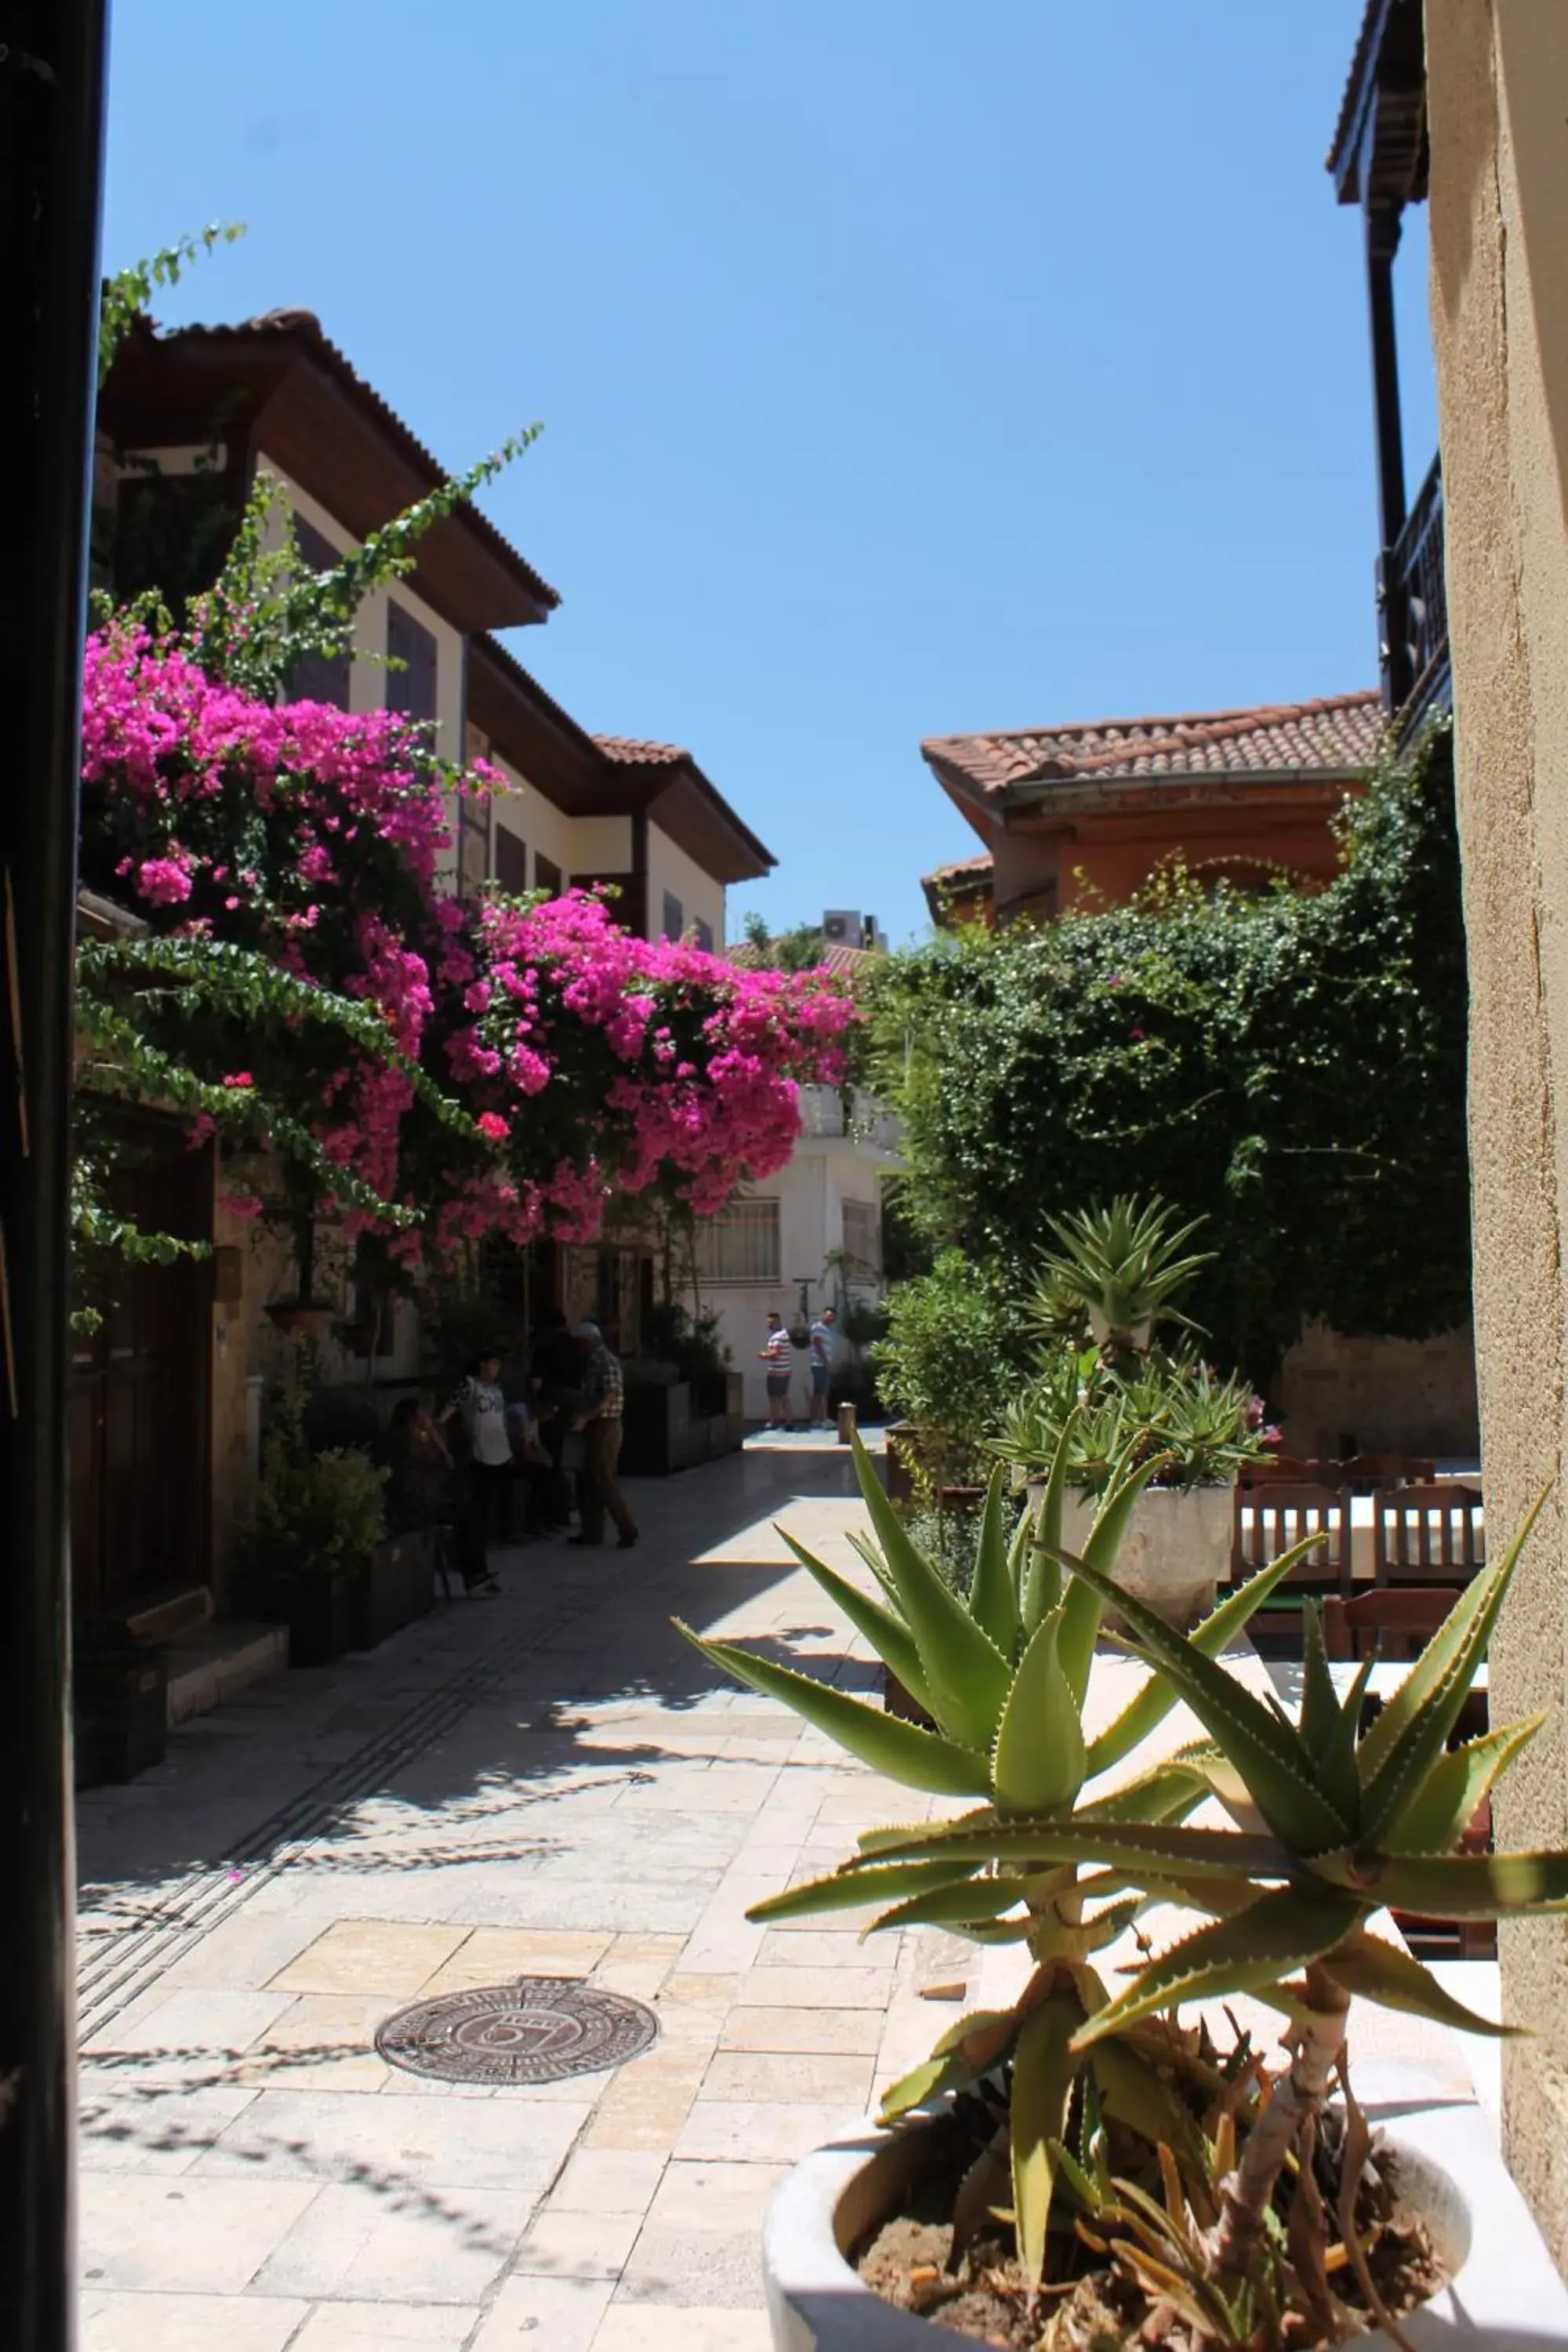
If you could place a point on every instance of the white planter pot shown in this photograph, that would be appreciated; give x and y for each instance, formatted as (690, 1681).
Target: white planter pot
(1176, 1552)
(1504, 2294)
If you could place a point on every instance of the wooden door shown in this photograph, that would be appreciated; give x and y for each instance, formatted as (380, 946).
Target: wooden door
(138, 1404)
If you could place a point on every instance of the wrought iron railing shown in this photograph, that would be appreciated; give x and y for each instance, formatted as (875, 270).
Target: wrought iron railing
(1413, 603)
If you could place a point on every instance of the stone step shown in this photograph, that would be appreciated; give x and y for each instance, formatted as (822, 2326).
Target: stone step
(220, 1661)
(169, 1617)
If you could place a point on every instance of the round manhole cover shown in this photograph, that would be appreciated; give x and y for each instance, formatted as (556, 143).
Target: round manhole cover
(535, 2029)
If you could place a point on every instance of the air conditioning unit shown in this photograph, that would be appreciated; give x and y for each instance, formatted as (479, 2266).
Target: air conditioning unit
(841, 929)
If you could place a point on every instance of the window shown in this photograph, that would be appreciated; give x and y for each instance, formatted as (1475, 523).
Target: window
(862, 1241)
(674, 916)
(511, 861)
(546, 875)
(320, 678)
(703, 934)
(473, 847)
(741, 1244)
(412, 687)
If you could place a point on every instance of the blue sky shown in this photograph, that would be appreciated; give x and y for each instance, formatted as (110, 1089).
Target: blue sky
(904, 370)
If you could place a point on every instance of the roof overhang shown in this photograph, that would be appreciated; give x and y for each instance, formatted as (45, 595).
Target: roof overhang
(532, 733)
(1379, 155)
(1055, 801)
(700, 820)
(281, 391)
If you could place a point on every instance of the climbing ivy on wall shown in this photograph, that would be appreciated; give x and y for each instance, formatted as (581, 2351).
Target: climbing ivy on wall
(1291, 1068)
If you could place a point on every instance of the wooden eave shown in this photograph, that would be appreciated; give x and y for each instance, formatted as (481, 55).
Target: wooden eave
(1379, 155)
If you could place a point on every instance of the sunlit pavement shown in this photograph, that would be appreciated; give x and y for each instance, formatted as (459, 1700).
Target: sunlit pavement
(549, 1782)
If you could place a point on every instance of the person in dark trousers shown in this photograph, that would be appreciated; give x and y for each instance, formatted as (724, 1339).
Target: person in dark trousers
(422, 1493)
(477, 1411)
(598, 1416)
(777, 1357)
(554, 1377)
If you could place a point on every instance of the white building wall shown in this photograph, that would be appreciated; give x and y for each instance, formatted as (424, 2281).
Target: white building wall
(669, 869)
(811, 1192)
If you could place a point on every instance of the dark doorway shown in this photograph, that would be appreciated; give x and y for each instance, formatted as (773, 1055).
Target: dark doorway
(138, 1396)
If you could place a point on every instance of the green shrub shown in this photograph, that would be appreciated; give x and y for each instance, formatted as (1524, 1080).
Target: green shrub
(955, 1354)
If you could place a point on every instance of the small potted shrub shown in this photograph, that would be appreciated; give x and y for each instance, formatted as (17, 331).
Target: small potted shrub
(1106, 1370)
(317, 1522)
(1106, 2172)
(955, 1352)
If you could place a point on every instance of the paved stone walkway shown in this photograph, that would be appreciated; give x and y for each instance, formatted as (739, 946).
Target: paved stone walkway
(549, 1782)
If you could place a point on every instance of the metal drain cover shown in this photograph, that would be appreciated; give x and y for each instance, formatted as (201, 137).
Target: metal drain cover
(534, 2030)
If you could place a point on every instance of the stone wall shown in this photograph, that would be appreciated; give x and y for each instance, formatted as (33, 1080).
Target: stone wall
(1336, 1396)
(1498, 89)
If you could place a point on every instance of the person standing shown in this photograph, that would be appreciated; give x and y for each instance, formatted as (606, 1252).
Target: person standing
(600, 1400)
(777, 1356)
(821, 1361)
(554, 1377)
(479, 1409)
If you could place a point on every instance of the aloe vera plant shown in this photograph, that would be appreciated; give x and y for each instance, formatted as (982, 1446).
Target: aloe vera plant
(1003, 1674)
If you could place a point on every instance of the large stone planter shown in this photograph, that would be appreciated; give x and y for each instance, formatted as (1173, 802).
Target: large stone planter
(1176, 1551)
(1504, 2294)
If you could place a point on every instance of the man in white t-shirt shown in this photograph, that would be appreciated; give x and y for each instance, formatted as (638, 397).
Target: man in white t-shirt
(821, 1364)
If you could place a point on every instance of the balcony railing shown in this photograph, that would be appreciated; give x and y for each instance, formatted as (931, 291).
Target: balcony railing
(822, 1118)
(1414, 611)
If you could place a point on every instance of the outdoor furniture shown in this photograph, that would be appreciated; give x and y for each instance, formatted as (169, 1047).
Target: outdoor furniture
(1273, 1516)
(1366, 1472)
(1277, 1469)
(1363, 1627)
(1427, 1534)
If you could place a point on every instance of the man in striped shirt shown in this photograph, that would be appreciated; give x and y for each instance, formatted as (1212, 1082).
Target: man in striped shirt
(778, 1357)
(600, 1400)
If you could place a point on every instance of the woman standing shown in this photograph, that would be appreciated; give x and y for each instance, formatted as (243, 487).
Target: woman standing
(479, 1409)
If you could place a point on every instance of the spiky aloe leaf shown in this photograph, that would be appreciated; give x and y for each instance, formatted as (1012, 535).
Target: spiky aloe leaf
(1166, 1792)
(1135, 2093)
(1044, 2066)
(1042, 1577)
(1270, 1756)
(1018, 1559)
(921, 1760)
(892, 1836)
(863, 1545)
(858, 1884)
(1130, 1845)
(1248, 1952)
(968, 2050)
(923, 2082)
(1084, 1602)
(1394, 1978)
(1476, 1606)
(963, 1903)
(992, 1602)
(1454, 1789)
(1451, 1885)
(1212, 1634)
(1036, 1765)
(1322, 1722)
(1393, 1780)
(965, 1674)
(887, 1634)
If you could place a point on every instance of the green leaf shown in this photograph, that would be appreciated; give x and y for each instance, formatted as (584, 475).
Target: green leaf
(1248, 1952)
(922, 2082)
(1451, 1885)
(859, 1884)
(1018, 1558)
(1454, 1789)
(1476, 1605)
(1456, 1651)
(959, 1904)
(992, 1602)
(1038, 1765)
(1320, 1716)
(1044, 2066)
(921, 1760)
(1136, 2094)
(964, 1672)
(1133, 1846)
(1042, 1579)
(1085, 1599)
(1166, 1792)
(1384, 1973)
(1269, 1754)
(1212, 1634)
(887, 1634)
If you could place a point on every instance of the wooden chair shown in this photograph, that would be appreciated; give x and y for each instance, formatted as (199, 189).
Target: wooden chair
(1277, 1469)
(1282, 1514)
(1427, 1534)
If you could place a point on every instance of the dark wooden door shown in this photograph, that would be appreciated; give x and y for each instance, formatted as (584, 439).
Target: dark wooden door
(138, 1399)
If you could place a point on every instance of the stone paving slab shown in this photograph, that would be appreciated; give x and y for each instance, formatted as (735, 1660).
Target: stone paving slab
(550, 1783)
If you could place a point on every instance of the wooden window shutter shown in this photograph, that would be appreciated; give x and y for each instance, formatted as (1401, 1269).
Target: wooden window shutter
(410, 688)
(320, 678)
(511, 861)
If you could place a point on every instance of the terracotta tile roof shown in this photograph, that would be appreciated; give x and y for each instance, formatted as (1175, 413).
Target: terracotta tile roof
(1333, 738)
(964, 869)
(843, 963)
(634, 753)
(304, 328)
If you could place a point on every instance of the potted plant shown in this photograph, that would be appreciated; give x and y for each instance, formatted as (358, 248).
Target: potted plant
(318, 1519)
(1106, 1370)
(955, 1351)
(1112, 2175)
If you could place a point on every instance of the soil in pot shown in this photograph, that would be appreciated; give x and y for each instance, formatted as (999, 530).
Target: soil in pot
(905, 2260)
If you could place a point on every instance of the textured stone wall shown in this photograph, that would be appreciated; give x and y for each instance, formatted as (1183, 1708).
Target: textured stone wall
(1498, 84)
